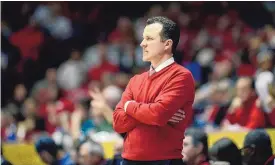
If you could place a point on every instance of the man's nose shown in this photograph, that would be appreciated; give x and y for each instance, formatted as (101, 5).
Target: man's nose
(142, 44)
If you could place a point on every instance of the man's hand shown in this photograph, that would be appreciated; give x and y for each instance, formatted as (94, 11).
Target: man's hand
(177, 117)
(236, 103)
(98, 103)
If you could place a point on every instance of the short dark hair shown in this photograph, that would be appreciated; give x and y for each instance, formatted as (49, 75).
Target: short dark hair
(259, 139)
(46, 143)
(198, 136)
(226, 150)
(170, 29)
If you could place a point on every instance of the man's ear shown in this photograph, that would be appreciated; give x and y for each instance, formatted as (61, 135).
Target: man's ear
(199, 148)
(168, 44)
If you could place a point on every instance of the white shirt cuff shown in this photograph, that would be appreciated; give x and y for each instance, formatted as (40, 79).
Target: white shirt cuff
(126, 104)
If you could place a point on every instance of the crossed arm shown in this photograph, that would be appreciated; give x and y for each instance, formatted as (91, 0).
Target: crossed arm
(176, 93)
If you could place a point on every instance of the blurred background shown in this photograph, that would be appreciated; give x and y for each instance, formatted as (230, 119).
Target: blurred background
(54, 53)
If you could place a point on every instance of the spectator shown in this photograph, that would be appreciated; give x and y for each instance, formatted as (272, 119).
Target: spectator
(265, 60)
(101, 59)
(124, 32)
(220, 99)
(261, 84)
(81, 122)
(14, 106)
(225, 150)
(195, 147)
(271, 103)
(28, 40)
(101, 108)
(95, 55)
(71, 74)
(257, 148)
(8, 127)
(91, 153)
(49, 16)
(42, 85)
(56, 111)
(50, 153)
(243, 112)
(33, 124)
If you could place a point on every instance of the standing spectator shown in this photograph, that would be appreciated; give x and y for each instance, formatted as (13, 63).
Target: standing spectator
(195, 147)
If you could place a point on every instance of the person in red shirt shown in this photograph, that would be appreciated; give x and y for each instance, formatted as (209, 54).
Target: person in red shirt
(152, 101)
(243, 112)
(195, 147)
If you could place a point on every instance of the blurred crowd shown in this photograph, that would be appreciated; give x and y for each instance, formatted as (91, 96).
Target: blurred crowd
(64, 67)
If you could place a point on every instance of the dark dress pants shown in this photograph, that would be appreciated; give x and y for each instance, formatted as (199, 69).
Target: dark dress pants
(158, 162)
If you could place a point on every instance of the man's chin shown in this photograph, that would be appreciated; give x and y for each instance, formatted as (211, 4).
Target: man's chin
(144, 59)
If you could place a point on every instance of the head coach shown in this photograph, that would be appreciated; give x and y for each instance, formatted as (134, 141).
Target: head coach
(156, 105)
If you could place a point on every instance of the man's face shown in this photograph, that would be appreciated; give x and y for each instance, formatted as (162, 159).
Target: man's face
(51, 75)
(85, 158)
(189, 151)
(152, 44)
(244, 90)
(46, 157)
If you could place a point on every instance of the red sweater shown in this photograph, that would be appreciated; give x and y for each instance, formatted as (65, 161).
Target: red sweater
(249, 116)
(158, 98)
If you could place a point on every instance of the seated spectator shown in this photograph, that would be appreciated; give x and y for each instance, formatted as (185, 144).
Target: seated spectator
(195, 147)
(243, 112)
(91, 153)
(71, 74)
(101, 59)
(28, 40)
(271, 103)
(225, 150)
(102, 106)
(56, 111)
(81, 122)
(50, 153)
(123, 33)
(220, 100)
(8, 127)
(257, 148)
(49, 16)
(40, 86)
(14, 105)
(265, 85)
(265, 60)
(33, 124)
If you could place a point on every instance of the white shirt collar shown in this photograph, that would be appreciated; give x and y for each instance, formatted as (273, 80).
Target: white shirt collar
(164, 64)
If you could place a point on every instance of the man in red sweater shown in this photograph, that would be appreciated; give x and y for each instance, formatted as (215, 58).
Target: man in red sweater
(153, 98)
